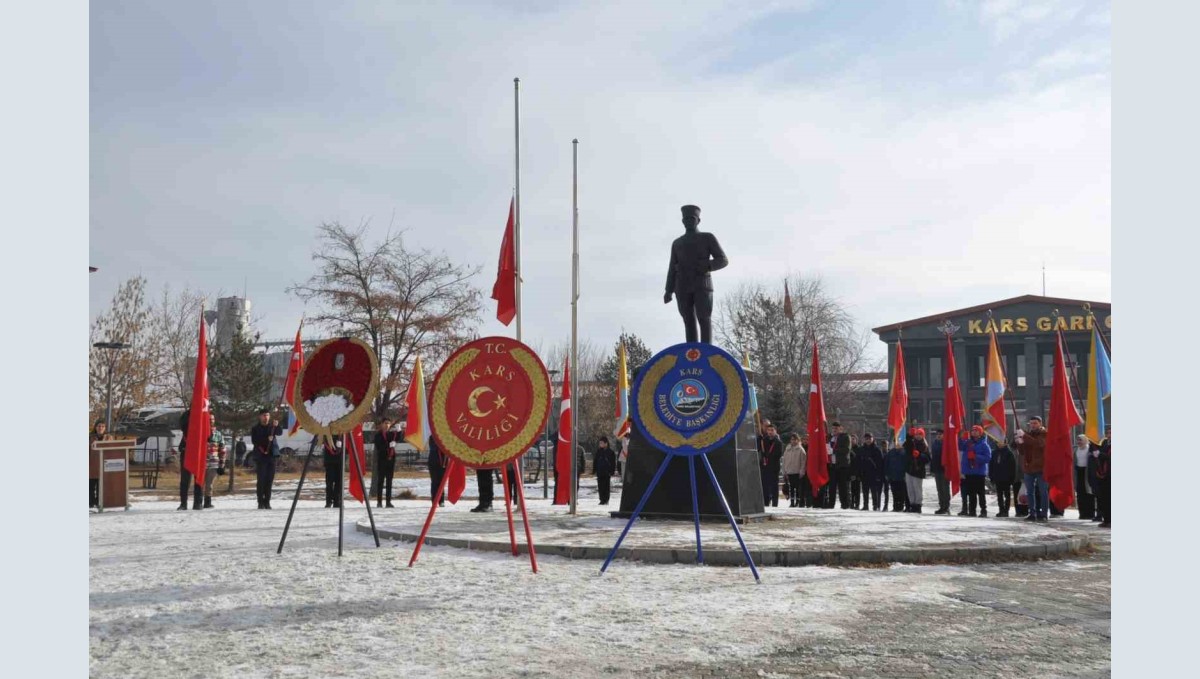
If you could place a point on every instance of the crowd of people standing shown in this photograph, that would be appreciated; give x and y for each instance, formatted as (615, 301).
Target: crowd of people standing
(863, 476)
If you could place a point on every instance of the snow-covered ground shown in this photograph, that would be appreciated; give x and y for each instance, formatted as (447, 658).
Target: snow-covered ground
(203, 594)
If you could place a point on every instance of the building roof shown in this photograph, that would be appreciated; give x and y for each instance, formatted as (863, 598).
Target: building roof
(992, 305)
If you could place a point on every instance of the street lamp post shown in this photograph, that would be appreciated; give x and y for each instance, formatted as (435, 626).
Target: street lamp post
(113, 348)
(546, 446)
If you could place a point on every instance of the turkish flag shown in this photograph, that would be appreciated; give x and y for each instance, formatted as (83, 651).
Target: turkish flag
(359, 451)
(818, 441)
(562, 451)
(1062, 417)
(458, 480)
(953, 422)
(200, 417)
(293, 373)
(504, 290)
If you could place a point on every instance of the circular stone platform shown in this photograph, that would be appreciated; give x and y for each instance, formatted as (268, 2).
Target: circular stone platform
(794, 537)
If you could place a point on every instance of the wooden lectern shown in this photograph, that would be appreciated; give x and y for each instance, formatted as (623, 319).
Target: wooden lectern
(110, 463)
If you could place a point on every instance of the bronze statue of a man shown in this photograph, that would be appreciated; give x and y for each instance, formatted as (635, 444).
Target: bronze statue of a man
(694, 256)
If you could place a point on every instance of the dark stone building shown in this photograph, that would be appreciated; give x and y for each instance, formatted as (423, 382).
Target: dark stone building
(1025, 333)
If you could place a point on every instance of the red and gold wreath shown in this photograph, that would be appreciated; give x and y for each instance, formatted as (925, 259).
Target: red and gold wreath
(336, 386)
(489, 402)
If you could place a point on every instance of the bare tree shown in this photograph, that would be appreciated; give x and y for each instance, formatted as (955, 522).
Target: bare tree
(752, 320)
(594, 404)
(175, 322)
(401, 302)
(126, 321)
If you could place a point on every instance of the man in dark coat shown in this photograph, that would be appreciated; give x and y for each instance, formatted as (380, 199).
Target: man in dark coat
(386, 440)
(1100, 478)
(605, 465)
(939, 473)
(266, 450)
(333, 472)
(894, 465)
(770, 455)
(841, 466)
(1002, 472)
(186, 480)
(437, 470)
(870, 469)
(857, 490)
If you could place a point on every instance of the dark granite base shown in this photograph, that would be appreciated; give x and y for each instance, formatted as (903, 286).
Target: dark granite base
(735, 465)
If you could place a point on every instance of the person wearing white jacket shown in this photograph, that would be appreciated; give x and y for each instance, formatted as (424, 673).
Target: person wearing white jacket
(794, 460)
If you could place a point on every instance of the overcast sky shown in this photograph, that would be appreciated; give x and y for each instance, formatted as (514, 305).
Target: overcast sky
(918, 156)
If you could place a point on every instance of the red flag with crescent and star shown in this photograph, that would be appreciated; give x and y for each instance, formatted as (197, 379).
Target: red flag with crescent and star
(200, 417)
(563, 448)
(1059, 464)
(818, 441)
(953, 424)
(289, 385)
(504, 290)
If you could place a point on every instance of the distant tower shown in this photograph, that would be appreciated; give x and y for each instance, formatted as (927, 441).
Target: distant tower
(233, 315)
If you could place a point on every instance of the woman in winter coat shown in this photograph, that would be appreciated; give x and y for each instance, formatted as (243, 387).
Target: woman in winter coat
(870, 469)
(976, 454)
(794, 468)
(1003, 472)
(916, 458)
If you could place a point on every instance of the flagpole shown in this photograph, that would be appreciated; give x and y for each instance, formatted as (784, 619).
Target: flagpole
(574, 322)
(1067, 352)
(1087, 307)
(517, 193)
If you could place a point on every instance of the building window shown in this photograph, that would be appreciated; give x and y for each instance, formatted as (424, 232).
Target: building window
(1020, 370)
(935, 411)
(980, 371)
(1045, 411)
(916, 410)
(935, 372)
(976, 414)
(913, 371)
(1047, 379)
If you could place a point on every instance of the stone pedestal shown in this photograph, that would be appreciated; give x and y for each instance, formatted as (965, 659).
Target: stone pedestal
(735, 465)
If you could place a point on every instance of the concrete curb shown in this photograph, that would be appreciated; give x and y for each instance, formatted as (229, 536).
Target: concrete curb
(770, 557)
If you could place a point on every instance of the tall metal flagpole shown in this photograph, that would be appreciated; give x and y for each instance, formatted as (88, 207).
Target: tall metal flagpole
(517, 192)
(574, 322)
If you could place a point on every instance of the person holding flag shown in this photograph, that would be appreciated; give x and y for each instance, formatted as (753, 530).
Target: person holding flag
(266, 451)
(1032, 446)
(196, 424)
(976, 454)
(817, 464)
(385, 460)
